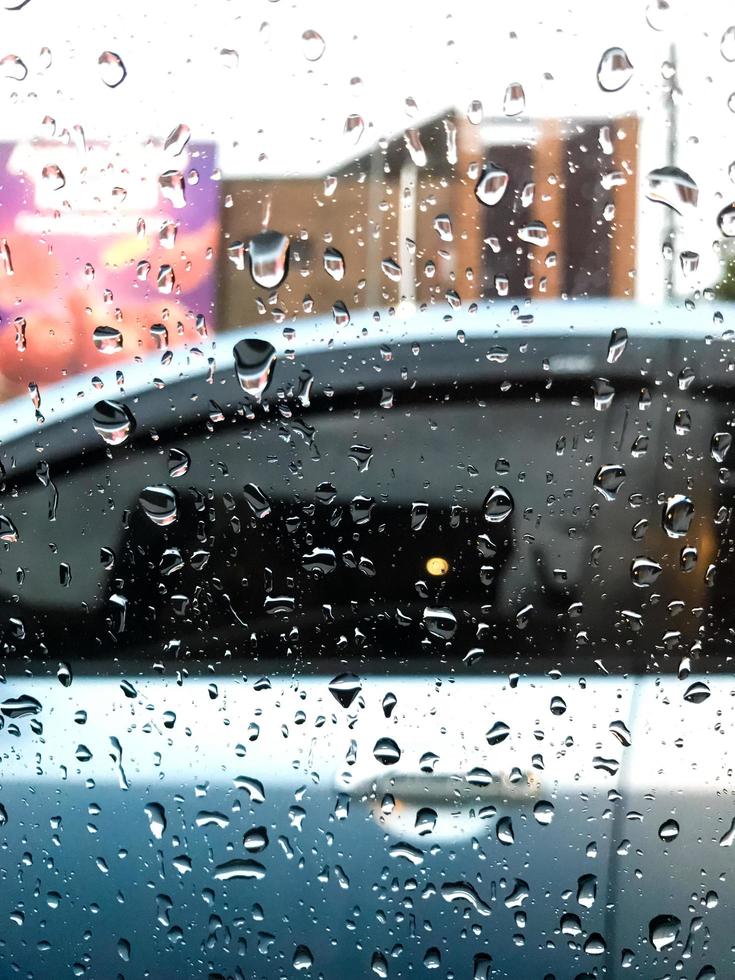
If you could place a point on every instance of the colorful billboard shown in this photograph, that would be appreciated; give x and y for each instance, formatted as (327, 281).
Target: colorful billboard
(107, 254)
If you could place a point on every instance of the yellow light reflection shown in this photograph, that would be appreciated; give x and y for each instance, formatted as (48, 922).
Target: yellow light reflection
(437, 566)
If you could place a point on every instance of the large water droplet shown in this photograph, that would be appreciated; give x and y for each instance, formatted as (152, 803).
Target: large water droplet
(669, 830)
(587, 890)
(719, 446)
(534, 233)
(159, 504)
(386, 751)
(156, 819)
(644, 572)
(107, 340)
(268, 258)
(313, 45)
(726, 221)
(344, 688)
(173, 187)
(498, 505)
(673, 187)
(677, 515)
(440, 621)
(617, 344)
(254, 360)
(514, 100)
(697, 692)
(302, 957)
(727, 44)
(53, 177)
(443, 227)
(12, 67)
(20, 707)
(463, 891)
(239, 868)
(334, 264)
(113, 421)
(663, 931)
(614, 70)
(608, 480)
(112, 69)
(354, 128)
(177, 139)
(491, 185)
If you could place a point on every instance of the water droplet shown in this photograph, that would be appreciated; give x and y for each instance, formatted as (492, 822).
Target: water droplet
(414, 855)
(677, 515)
(543, 811)
(617, 344)
(463, 891)
(669, 830)
(354, 128)
(112, 69)
(8, 530)
(20, 707)
(644, 572)
(254, 361)
(379, 965)
(12, 67)
(608, 480)
(173, 188)
(302, 957)
(255, 840)
(177, 139)
(443, 227)
(334, 264)
(113, 421)
(498, 505)
(689, 262)
(614, 70)
(166, 280)
(504, 831)
(497, 733)
(719, 446)
(621, 732)
(179, 462)
(386, 751)
(159, 504)
(53, 177)
(697, 693)
(673, 187)
(425, 822)
(344, 688)
(156, 819)
(534, 233)
(268, 258)
(239, 868)
(492, 185)
(313, 45)
(727, 44)
(340, 313)
(256, 500)
(440, 621)
(107, 340)
(726, 221)
(391, 269)
(663, 931)
(514, 100)
(587, 890)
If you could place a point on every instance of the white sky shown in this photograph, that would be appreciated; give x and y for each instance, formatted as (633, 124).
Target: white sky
(277, 113)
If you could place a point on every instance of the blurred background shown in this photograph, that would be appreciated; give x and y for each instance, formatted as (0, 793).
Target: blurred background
(141, 153)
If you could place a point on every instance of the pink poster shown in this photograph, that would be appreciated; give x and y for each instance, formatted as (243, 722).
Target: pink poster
(107, 255)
